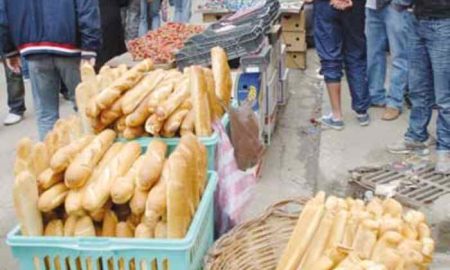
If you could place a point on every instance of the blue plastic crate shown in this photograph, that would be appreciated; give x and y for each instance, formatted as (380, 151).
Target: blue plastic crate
(102, 253)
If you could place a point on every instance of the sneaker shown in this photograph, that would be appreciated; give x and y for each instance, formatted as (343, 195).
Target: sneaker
(329, 121)
(443, 162)
(390, 114)
(409, 146)
(363, 119)
(12, 119)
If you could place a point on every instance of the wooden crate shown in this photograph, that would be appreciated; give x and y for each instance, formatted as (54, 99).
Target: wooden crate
(296, 60)
(293, 22)
(295, 41)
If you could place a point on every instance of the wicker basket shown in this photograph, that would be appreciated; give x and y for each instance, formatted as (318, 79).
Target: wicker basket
(256, 244)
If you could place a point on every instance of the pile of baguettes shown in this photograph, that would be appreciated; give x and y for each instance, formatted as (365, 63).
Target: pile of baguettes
(346, 234)
(90, 185)
(143, 101)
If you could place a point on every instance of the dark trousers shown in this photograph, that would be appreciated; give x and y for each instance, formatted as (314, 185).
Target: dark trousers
(16, 92)
(341, 44)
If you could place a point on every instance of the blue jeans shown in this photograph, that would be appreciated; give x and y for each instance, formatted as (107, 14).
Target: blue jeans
(341, 43)
(16, 92)
(46, 73)
(385, 28)
(183, 11)
(429, 80)
(153, 9)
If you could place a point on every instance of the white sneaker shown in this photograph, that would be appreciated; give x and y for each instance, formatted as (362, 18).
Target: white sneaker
(12, 119)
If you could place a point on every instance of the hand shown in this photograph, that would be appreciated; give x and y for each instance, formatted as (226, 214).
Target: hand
(90, 62)
(341, 4)
(14, 64)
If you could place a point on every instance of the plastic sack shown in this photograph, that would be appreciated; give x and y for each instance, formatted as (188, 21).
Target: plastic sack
(245, 136)
(234, 187)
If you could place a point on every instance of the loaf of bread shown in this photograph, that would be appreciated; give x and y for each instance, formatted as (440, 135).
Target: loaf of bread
(131, 133)
(214, 103)
(65, 155)
(179, 196)
(138, 201)
(123, 230)
(23, 152)
(128, 80)
(120, 124)
(53, 197)
(143, 231)
(54, 228)
(153, 159)
(136, 95)
(173, 123)
(222, 75)
(84, 163)
(123, 187)
(156, 204)
(109, 224)
(200, 102)
(87, 73)
(99, 214)
(165, 109)
(108, 116)
(83, 94)
(48, 178)
(69, 226)
(99, 191)
(153, 125)
(138, 117)
(188, 124)
(39, 159)
(161, 230)
(25, 195)
(189, 147)
(161, 93)
(84, 227)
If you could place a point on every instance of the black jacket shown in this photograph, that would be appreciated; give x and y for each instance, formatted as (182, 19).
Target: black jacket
(433, 9)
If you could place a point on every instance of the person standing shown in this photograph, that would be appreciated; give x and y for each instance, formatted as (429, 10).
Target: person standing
(183, 10)
(150, 11)
(53, 37)
(341, 44)
(387, 28)
(429, 79)
(16, 97)
(131, 19)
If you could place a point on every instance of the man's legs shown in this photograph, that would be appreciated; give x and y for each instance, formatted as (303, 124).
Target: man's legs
(355, 58)
(132, 20)
(437, 36)
(155, 9)
(69, 71)
(143, 18)
(376, 55)
(399, 27)
(183, 11)
(45, 82)
(16, 92)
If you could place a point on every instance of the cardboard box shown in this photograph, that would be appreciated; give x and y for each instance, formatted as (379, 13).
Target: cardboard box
(293, 21)
(295, 41)
(296, 60)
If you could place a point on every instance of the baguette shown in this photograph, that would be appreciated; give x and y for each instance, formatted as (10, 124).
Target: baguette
(303, 232)
(222, 75)
(366, 238)
(156, 203)
(83, 165)
(131, 133)
(39, 159)
(124, 230)
(23, 152)
(83, 96)
(165, 109)
(120, 125)
(134, 220)
(87, 73)
(98, 192)
(143, 231)
(99, 214)
(154, 159)
(69, 226)
(51, 142)
(393, 208)
(138, 117)
(129, 79)
(188, 124)
(133, 97)
(179, 196)
(84, 227)
(338, 230)
(108, 116)
(161, 93)
(25, 195)
(109, 224)
(200, 103)
(214, 103)
(190, 148)
(64, 156)
(54, 228)
(153, 125)
(173, 123)
(123, 187)
(161, 230)
(138, 201)
(53, 197)
(49, 178)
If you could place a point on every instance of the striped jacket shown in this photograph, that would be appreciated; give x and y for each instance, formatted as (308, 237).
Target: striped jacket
(59, 27)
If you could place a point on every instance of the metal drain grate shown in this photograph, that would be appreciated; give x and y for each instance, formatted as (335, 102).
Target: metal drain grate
(414, 189)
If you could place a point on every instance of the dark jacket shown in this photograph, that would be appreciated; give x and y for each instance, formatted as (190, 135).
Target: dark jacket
(112, 29)
(431, 9)
(382, 3)
(62, 27)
